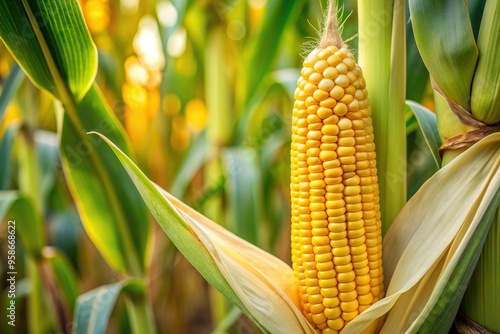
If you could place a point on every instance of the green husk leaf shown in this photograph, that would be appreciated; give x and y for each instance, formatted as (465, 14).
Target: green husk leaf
(486, 85)
(422, 242)
(445, 39)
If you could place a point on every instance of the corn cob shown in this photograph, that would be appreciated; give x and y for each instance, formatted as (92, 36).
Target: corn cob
(336, 230)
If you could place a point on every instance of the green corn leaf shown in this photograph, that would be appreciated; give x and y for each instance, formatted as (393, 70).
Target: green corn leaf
(245, 274)
(28, 225)
(6, 143)
(10, 87)
(94, 307)
(111, 210)
(428, 124)
(243, 191)
(65, 277)
(37, 34)
(445, 39)
(197, 155)
(264, 46)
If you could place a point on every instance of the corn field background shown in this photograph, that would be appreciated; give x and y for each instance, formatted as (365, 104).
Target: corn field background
(199, 94)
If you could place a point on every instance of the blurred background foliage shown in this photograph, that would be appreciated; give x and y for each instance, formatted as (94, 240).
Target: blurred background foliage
(204, 89)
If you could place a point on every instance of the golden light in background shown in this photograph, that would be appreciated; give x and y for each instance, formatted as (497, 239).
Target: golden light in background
(97, 15)
(129, 7)
(171, 104)
(147, 44)
(235, 30)
(167, 14)
(180, 134)
(176, 44)
(196, 114)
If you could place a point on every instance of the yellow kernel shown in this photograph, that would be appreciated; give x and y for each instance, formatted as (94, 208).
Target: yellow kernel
(365, 299)
(350, 63)
(315, 78)
(325, 53)
(348, 316)
(346, 141)
(329, 139)
(320, 95)
(330, 73)
(328, 283)
(317, 206)
(318, 318)
(356, 233)
(341, 251)
(327, 274)
(313, 119)
(327, 156)
(353, 106)
(330, 129)
(324, 267)
(324, 112)
(343, 268)
(333, 312)
(342, 260)
(315, 299)
(345, 151)
(348, 296)
(322, 249)
(335, 204)
(320, 66)
(326, 84)
(329, 147)
(363, 289)
(328, 103)
(305, 72)
(332, 172)
(318, 307)
(317, 184)
(336, 324)
(346, 99)
(347, 277)
(324, 257)
(320, 240)
(319, 223)
(337, 218)
(352, 79)
(340, 109)
(349, 306)
(331, 302)
(342, 68)
(334, 60)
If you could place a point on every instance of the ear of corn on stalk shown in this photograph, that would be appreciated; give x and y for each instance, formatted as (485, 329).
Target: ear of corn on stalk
(336, 229)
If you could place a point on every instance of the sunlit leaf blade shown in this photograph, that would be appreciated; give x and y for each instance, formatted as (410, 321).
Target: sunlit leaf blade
(94, 307)
(22, 25)
(261, 285)
(111, 209)
(243, 190)
(65, 277)
(28, 224)
(423, 233)
(445, 39)
(5, 154)
(9, 88)
(428, 124)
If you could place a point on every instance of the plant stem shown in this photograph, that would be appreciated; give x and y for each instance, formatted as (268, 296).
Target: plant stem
(140, 315)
